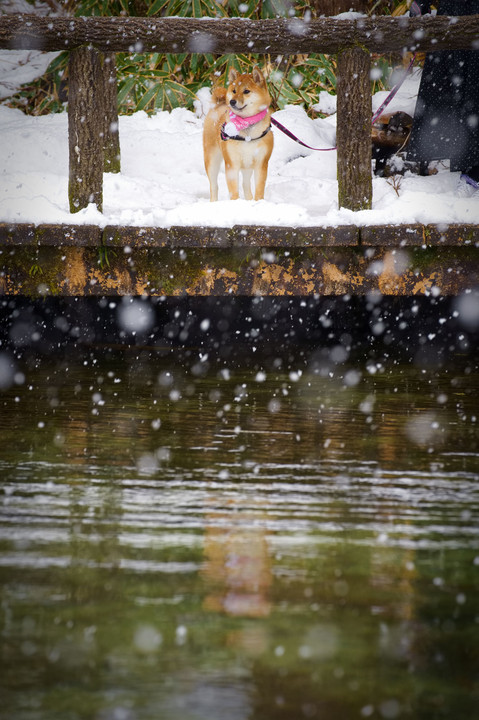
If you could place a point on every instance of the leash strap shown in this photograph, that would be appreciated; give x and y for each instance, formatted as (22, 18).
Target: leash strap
(296, 139)
(393, 92)
(374, 118)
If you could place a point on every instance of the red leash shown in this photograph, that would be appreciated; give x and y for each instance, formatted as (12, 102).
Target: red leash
(293, 136)
(393, 91)
(378, 112)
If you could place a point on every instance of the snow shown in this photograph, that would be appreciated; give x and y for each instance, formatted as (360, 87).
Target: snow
(163, 182)
(18, 67)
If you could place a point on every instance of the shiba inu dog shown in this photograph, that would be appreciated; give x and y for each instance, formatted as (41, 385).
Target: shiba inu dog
(238, 130)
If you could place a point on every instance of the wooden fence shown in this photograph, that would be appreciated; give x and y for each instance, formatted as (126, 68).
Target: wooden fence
(88, 260)
(93, 42)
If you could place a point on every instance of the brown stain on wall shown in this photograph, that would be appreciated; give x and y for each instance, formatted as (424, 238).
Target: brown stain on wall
(424, 285)
(76, 276)
(115, 279)
(229, 280)
(335, 281)
(390, 282)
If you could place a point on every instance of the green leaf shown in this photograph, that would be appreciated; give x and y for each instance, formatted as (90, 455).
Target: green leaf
(60, 62)
(125, 88)
(156, 7)
(196, 8)
(148, 97)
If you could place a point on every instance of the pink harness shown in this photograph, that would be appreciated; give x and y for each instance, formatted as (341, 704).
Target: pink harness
(242, 123)
(236, 123)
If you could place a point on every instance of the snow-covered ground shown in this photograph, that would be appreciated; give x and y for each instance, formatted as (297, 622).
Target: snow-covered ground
(163, 182)
(18, 67)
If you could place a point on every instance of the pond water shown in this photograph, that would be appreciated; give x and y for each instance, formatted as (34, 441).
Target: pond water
(185, 541)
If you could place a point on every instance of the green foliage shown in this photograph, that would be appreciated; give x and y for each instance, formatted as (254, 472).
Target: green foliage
(153, 81)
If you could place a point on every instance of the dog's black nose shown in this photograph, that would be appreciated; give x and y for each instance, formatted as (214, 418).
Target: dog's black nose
(232, 103)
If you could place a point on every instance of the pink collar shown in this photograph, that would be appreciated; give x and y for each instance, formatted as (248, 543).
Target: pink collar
(241, 123)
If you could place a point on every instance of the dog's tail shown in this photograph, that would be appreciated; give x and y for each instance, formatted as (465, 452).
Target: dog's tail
(218, 95)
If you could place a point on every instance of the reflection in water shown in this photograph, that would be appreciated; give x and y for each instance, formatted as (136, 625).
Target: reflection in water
(237, 563)
(263, 545)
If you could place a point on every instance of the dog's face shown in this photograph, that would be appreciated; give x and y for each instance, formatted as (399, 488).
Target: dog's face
(247, 94)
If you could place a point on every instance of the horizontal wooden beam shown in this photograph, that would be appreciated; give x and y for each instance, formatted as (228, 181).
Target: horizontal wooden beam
(238, 35)
(192, 236)
(70, 260)
(130, 236)
(121, 236)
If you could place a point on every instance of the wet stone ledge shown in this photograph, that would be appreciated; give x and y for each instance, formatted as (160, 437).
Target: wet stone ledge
(71, 260)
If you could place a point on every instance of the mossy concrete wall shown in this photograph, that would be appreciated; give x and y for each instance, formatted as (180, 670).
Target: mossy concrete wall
(68, 260)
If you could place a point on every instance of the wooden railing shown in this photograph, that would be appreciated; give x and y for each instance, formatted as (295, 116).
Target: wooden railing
(93, 42)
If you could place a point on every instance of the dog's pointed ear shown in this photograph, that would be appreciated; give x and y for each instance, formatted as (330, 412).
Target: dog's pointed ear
(232, 75)
(258, 76)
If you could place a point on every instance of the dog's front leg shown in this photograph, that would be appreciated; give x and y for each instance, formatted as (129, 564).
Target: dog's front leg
(247, 174)
(212, 165)
(260, 174)
(232, 179)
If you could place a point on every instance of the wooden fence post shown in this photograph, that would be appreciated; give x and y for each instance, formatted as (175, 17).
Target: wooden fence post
(85, 128)
(111, 136)
(353, 136)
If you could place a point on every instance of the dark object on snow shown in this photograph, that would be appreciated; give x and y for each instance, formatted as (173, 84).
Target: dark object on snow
(389, 135)
(446, 121)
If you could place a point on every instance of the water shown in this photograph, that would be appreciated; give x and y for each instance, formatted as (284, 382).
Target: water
(181, 541)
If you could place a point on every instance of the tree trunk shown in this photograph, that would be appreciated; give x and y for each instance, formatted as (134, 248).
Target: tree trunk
(85, 129)
(111, 136)
(353, 136)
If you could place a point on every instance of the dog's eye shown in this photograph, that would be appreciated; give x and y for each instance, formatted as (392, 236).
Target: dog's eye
(246, 92)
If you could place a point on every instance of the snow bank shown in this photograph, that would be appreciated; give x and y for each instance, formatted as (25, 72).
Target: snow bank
(18, 67)
(163, 181)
